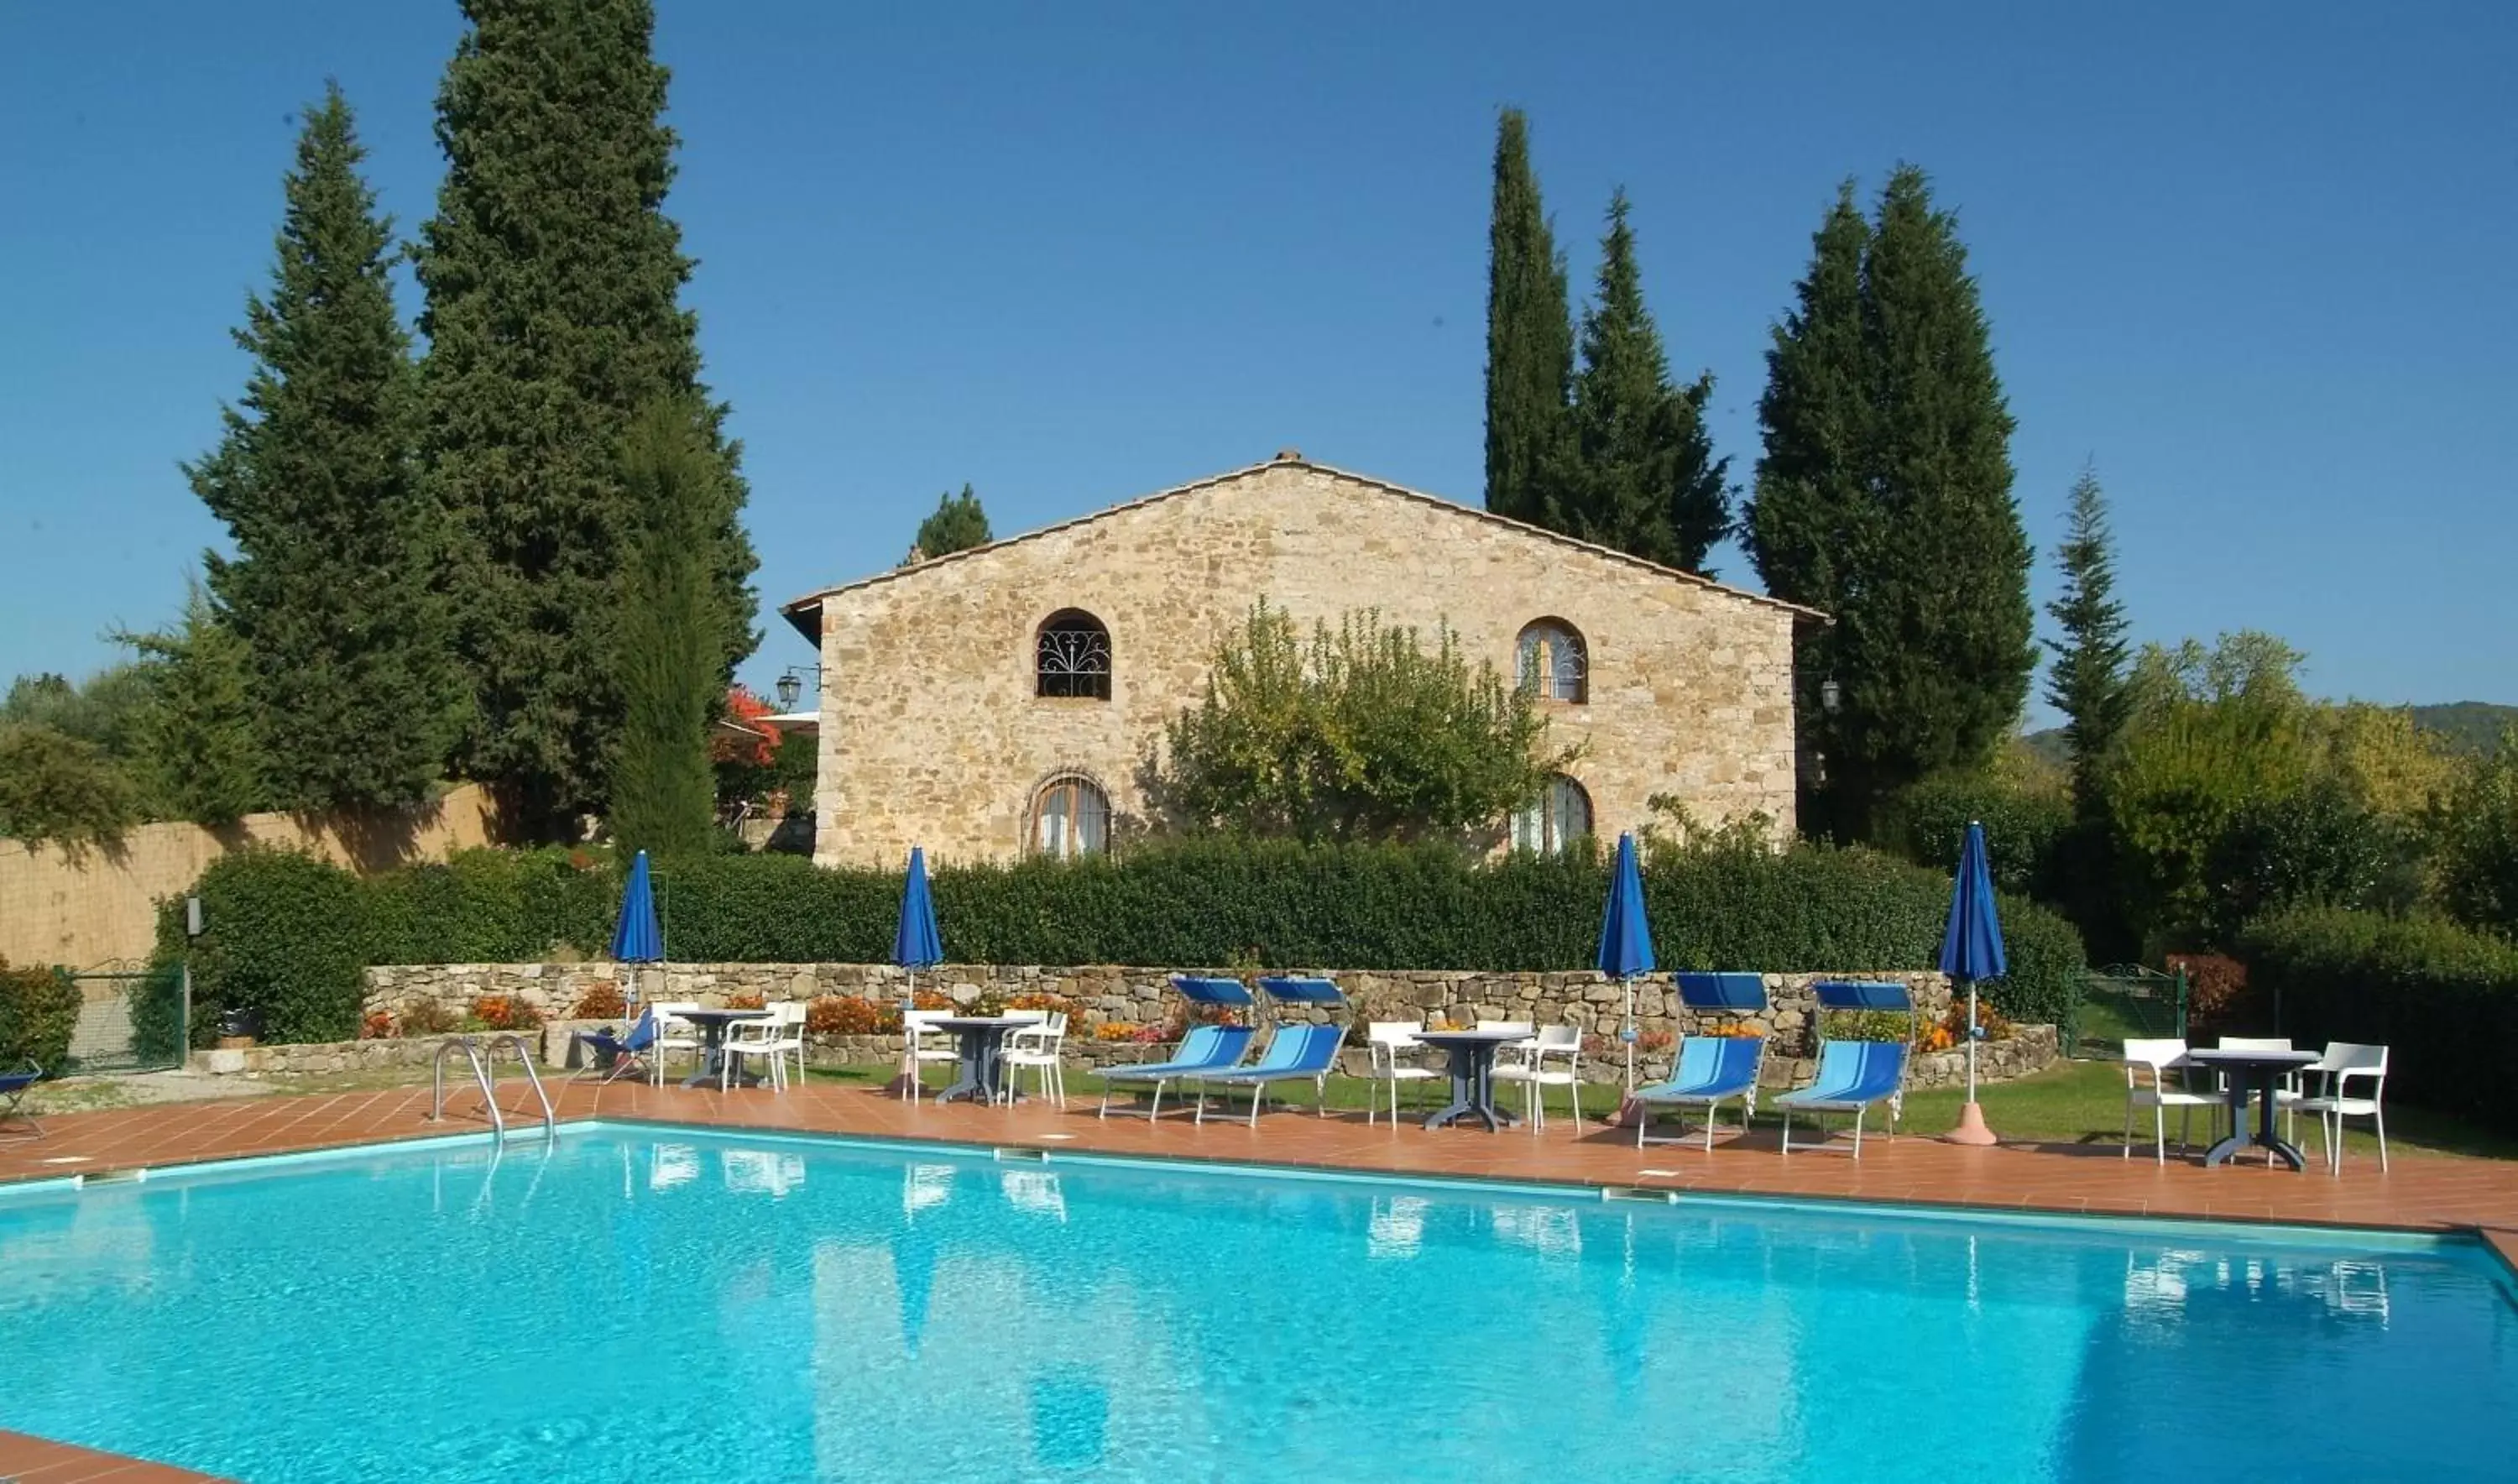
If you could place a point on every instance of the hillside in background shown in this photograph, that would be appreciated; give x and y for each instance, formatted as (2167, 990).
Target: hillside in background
(2473, 727)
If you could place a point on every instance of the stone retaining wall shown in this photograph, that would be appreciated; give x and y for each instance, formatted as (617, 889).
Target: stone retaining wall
(1107, 994)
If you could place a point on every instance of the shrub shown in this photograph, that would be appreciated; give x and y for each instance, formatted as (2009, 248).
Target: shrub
(850, 1015)
(40, 1008)
(377, 1025)
(2477, 844)
(282, 933)
(500, 1012)
(2442, 999)
(600, 1001)
(2024, 828)
(429, 1018)
(289, 932)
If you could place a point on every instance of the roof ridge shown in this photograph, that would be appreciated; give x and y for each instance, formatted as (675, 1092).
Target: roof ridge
(791, 609)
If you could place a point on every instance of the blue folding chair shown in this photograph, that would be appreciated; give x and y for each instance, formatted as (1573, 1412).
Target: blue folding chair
(13, 1087)
(1854, 1076)
(1710, 1067)
(617, 1056)
(1204, 1052)
(1304, 1053)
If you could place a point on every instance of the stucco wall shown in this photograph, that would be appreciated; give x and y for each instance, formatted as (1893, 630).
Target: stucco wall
(932, 734)
(96, 905)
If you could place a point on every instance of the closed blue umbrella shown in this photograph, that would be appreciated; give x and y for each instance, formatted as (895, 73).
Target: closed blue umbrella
(1626, 938)
(915, 945)
(1972, 951)
(638, 938)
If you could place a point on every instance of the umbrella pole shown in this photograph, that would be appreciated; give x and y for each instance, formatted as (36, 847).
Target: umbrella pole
(1631, 1035)
(1971, 1128)
(904, 1083)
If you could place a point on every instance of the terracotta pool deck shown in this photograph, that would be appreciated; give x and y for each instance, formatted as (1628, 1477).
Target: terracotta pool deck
(2421, 1193)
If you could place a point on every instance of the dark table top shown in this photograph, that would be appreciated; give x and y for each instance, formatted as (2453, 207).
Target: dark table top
(1472, 1038)
(2213, 1056)
(719, 1017)
(982, 1021)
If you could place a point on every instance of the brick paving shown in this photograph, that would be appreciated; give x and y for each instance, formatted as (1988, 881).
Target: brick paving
(2421, 1193)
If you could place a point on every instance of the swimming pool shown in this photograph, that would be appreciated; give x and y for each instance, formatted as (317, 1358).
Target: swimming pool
(639, 1302)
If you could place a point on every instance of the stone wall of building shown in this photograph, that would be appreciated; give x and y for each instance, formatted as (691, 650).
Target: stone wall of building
(932, 733)
(1112, 996)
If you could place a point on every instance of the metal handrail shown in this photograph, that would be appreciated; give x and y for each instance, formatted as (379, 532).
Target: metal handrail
(525, 1059)
(480, 1074)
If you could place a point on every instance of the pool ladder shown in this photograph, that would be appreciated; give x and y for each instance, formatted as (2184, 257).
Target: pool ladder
(480, 1058)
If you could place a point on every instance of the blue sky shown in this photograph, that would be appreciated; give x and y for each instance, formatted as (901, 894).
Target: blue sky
(2253, 259)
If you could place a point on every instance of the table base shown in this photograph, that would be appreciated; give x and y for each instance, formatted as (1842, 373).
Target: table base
(1472, 1092)
(2265, 1137)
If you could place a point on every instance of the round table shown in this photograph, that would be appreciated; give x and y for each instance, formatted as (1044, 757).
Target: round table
(2253, 1074)
(712, 1024)
(1473, 1058)
(982, 1041)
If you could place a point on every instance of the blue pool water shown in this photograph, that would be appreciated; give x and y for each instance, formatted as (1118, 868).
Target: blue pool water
(660, 1305)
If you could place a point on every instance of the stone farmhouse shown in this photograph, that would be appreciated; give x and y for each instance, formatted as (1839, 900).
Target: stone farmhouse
(1001, 701)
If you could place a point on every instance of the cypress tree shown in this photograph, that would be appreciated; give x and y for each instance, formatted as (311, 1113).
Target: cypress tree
(2088, 681)
(670, 664)
(1641, 475)
(1885, 499)
(1530, 336)
(354, 696)
(552, 278)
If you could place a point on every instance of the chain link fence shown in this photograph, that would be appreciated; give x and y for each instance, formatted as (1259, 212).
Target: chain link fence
(2125, 1003)
(130, 1020)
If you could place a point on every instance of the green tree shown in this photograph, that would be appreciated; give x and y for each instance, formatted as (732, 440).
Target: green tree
(554, 280)
(958, 525)
(355, 695)
(2477, 844)
(1885, 499)
(105, 710)
(1529, 334)
(62, 789)
(201, 753)
(672, 662)
(2088, 681)
(1810, 525)
(1641, 475)
(1362, 734)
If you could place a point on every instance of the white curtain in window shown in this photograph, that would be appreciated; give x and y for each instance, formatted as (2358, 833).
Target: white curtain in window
(1073, 819)
(1562, 813)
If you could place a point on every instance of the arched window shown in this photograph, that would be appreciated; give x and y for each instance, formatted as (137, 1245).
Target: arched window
(1071, 816)
(1073, 656)
(1552, 664)
(1560, 815)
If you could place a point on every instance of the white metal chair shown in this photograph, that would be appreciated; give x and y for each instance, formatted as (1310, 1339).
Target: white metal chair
(2160, 1058)
(673, 1033)
(916, 1028)
(1531, 1070)
(1384, 1043)
(773, 1040)
(2348, 1060)
(1039, 1047)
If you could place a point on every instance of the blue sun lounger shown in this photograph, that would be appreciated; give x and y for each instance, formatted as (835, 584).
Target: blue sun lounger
(1301, 1053)
(12, 1094)
(1710, 1067)
(1206, 1049)
(1852, 1075)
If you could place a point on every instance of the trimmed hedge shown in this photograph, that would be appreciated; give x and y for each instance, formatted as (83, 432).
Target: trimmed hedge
(39, 1010)
(2444, 1000)
(289, 934)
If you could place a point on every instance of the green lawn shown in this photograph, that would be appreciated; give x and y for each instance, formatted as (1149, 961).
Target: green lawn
(2070, 1103)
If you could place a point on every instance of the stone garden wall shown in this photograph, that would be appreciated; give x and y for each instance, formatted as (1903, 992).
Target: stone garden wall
(1118, 997)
